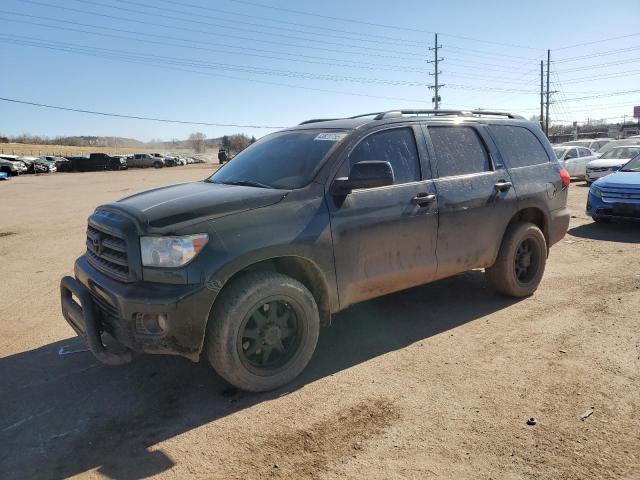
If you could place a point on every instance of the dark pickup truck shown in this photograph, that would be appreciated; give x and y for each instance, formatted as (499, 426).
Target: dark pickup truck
(96, 162)
(246, 265)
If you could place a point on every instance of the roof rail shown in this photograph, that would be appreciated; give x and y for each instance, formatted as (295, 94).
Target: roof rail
(464, 113)
(315, 120)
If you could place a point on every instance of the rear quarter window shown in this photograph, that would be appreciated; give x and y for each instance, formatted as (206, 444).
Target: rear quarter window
(518, 145)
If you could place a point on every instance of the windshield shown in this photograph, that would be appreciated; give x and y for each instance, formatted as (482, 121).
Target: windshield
(621, 153)
(632, 166)
(559, 152)
(285, 160)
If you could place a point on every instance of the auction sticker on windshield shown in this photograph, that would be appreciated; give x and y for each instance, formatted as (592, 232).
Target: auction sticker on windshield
(330, 136)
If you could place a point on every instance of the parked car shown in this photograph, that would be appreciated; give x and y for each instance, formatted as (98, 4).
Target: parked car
(594, 144)
(245, 266)
(109, 162)
(142, 160)
(610, 162)
(49, 164)
(10, 165)
(618, 195)
(34, 165)
(61, 163)
(223, 156)
(574, 159)
(618, 143)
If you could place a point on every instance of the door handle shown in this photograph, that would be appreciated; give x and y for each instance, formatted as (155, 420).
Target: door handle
(422, 199)
(503, 186)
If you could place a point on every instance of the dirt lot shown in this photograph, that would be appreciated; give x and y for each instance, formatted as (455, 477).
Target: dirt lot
(435, 382)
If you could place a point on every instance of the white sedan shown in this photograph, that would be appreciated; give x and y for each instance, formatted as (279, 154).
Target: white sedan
(574, 159)
(610, 162)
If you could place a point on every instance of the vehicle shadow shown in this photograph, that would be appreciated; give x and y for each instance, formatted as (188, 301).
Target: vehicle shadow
(62, 415)
(611, 232)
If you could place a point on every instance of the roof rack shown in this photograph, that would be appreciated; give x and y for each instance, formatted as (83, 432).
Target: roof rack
(400, 113)
(315, 120)
(463, 113)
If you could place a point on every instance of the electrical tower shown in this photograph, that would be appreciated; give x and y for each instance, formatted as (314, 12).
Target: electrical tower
(436, 87)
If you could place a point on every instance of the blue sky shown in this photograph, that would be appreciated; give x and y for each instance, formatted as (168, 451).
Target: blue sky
(254, 62)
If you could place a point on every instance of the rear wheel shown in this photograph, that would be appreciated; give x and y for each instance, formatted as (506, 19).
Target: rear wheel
(263, 331)
(6, 170)
(521, 260)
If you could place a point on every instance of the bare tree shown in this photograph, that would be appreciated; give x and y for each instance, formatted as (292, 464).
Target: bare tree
(198, 142)
(238, 142)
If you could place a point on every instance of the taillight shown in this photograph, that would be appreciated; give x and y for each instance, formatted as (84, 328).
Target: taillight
(564, 176)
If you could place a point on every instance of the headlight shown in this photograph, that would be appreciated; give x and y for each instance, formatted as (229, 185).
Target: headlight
(171, 252)
(595, 191)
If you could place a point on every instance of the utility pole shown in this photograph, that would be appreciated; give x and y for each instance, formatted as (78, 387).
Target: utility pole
(546, 120)
(436, 87)
(542, 94)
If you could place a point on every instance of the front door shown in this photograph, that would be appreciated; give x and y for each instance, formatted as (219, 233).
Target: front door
(476, 199)
(385, 238)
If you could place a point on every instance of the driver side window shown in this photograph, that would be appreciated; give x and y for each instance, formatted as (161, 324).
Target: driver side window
(573, 153)
(396, 146)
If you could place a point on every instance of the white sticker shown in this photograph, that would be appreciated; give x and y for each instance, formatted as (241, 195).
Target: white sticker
(330, 137)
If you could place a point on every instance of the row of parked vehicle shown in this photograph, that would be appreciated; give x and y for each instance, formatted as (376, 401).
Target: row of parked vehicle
(591, 159)
(12, 165)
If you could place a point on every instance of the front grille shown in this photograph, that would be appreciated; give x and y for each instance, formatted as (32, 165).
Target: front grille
(108, 253)
(108, 312)
(621, 195)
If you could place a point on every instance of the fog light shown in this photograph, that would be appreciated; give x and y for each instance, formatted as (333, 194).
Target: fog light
(151, 323)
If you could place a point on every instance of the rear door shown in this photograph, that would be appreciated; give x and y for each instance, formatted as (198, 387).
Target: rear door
(385, 238)
(572, 161)
(476, 199)
(585, 156)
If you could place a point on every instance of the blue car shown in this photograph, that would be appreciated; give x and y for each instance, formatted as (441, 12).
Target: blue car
(617, 196)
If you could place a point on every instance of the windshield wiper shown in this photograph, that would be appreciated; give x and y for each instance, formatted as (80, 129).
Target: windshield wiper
(246, 183)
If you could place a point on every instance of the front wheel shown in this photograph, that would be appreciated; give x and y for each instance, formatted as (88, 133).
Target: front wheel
(157, 164)
(263, 331)
(521, 260)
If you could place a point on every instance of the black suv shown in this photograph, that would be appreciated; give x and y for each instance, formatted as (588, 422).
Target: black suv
(246, 265)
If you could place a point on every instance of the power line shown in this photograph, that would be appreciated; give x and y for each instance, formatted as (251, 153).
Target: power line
(381, 25)
(76, 48)
(134, 117)
(242, 50)
(385, 41)
(284, 22)
(228, 35)
(597, 54)
(592, 42)
(264, 82)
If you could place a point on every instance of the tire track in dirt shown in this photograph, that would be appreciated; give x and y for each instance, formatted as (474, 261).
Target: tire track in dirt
(308, 452)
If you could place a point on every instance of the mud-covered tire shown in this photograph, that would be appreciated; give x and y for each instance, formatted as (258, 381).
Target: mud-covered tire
(226, 346)
(508, 275)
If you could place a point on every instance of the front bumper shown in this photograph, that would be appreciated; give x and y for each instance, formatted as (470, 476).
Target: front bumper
(597, 208)
(592, 176)
(106, 305)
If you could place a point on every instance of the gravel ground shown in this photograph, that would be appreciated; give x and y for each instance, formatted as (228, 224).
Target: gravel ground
(434, 382)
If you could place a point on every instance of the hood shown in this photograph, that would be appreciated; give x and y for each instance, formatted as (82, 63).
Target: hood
(185, 202)
(620, 180)
(607, 162)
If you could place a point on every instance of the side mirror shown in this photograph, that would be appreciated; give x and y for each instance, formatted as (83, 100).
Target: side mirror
(367, 174)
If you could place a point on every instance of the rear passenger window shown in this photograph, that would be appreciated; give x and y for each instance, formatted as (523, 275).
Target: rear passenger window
(518, 145)
(459, 151)
(584, 152)
(396, 146)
